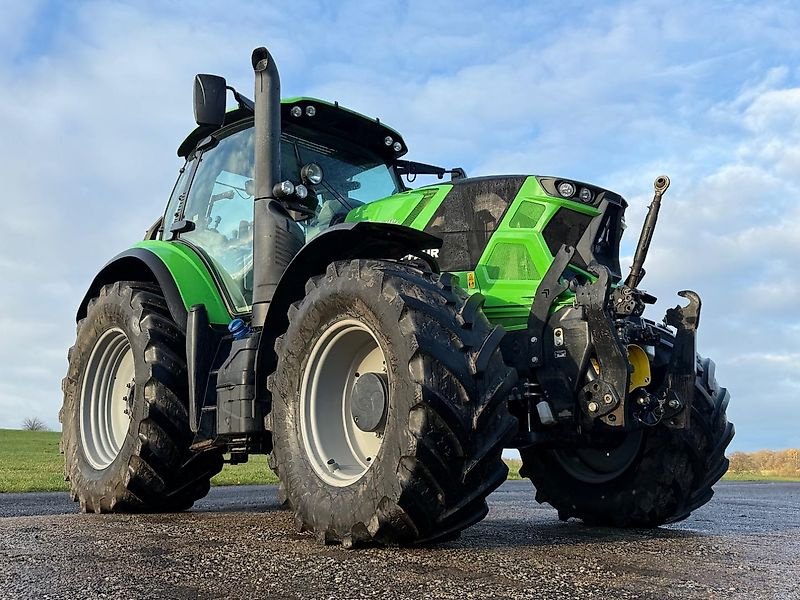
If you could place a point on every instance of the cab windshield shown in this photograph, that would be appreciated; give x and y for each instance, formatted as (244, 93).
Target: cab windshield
(352, 175)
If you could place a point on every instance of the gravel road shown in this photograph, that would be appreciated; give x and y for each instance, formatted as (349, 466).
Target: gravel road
(237, 543)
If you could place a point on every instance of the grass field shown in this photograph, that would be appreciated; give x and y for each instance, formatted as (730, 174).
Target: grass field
(30, 462)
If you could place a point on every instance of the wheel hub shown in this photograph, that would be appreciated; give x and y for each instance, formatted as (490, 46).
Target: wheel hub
(369, 401)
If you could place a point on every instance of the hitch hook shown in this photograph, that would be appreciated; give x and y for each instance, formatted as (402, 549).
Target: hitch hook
(686, 317)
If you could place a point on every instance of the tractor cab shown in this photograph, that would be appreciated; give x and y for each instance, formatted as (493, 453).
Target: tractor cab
(332, 160)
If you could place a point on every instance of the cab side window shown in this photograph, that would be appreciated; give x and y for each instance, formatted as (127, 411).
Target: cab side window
(220, 204)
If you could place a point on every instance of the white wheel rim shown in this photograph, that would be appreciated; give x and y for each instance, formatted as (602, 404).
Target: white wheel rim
(346, 350)
(107, 382)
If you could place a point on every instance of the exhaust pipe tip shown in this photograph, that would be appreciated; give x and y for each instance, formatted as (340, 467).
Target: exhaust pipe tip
(261, 59)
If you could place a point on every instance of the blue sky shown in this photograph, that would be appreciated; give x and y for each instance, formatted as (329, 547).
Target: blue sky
(96, 96)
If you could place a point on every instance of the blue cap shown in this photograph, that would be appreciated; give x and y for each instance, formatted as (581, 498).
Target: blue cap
(238, 329)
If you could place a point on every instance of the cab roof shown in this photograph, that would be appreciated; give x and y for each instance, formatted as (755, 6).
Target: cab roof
(326, 117)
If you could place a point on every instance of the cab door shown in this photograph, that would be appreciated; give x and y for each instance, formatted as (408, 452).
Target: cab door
(219, 209)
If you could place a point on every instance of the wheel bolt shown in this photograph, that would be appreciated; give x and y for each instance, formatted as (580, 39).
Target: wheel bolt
(608, 399)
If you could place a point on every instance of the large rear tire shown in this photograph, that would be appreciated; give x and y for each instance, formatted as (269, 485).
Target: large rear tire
(431, 452)
(655, 476)
(126, 433)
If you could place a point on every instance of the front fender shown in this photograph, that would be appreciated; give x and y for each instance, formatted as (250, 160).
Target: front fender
(347, 241)
(181, 274)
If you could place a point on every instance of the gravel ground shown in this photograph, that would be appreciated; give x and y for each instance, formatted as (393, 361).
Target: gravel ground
(237, 543)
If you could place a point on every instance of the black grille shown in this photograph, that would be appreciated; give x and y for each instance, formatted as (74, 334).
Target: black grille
(566, 227)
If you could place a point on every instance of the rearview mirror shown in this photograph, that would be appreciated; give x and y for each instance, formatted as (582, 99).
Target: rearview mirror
(209, 100)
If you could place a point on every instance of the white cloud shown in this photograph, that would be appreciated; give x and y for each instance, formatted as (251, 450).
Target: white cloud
(790, 359)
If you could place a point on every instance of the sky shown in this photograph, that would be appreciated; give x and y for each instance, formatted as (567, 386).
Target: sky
(95, 98)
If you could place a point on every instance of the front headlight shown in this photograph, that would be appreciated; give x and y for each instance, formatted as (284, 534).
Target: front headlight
(566, 189)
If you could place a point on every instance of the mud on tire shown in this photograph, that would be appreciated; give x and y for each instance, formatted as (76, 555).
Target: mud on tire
(153, 469)
(447, 417)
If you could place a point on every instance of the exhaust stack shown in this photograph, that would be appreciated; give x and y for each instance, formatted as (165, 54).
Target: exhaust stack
(648, 228)
(267, 101)
(276, 237)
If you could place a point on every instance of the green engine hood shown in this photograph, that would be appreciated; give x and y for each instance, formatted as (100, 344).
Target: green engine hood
(463, 213)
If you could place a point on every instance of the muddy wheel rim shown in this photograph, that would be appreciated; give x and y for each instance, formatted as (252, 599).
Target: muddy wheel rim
(601, 465)
(104, 408)
(339, 452)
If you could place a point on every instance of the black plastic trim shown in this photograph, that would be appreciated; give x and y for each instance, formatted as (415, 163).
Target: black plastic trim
(456, 219)
(201, 347)
(329, 119)
(568, 227)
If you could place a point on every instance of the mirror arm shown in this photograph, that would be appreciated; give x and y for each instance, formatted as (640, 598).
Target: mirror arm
(243, 101)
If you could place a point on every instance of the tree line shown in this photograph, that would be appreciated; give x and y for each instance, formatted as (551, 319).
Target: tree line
(784, 463)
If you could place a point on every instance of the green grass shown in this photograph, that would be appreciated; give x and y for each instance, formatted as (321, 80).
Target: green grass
(30, 462)
(513, 468)
(253, 472)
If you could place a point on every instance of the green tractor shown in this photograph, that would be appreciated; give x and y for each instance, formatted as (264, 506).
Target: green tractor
(382, 344)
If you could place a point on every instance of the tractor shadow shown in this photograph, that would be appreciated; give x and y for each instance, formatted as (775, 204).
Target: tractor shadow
(519, 533)
(240, 499)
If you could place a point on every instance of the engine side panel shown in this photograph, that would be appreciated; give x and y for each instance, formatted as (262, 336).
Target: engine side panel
(499, 234)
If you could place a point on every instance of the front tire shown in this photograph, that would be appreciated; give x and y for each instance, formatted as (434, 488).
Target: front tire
(655, 476)
(431, 454)
(126, 433)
